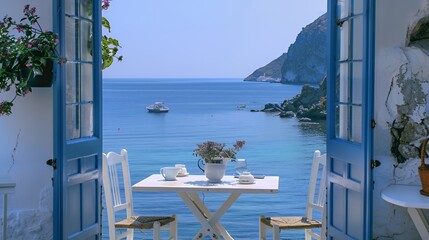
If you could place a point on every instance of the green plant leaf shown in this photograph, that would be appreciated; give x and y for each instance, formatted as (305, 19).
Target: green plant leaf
(105, 23)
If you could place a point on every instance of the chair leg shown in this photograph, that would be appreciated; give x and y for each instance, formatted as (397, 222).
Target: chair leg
(276, 232)
(156, 231)
(173, 228)
(130, 234)
(262, 228)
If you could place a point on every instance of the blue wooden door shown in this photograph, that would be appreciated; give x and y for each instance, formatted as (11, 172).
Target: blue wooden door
(350, 111)
(77, 113)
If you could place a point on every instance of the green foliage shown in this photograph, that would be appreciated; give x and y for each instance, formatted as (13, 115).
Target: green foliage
(210, 150)
(24, 51)
(109, 46)
(26, 48)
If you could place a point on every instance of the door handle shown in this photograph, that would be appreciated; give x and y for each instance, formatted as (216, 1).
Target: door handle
(52, 163)
(375, 163)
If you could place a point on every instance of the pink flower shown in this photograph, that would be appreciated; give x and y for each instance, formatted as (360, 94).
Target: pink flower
(19, 29)
(105, 5)
(28, 65)
(26, 8)
(29, 11)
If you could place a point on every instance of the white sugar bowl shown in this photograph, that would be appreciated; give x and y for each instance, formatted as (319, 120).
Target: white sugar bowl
(246, 177)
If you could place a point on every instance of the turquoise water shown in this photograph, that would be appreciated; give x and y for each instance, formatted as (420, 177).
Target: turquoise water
(218, 110)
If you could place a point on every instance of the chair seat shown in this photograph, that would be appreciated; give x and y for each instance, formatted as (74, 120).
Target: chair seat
(291, 222)
(143, 222)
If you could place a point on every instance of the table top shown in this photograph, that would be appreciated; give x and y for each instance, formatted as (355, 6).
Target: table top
(7, 185)
(199, 183)
(405, 196)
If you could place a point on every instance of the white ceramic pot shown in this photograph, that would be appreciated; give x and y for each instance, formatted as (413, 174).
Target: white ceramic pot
(215, 171)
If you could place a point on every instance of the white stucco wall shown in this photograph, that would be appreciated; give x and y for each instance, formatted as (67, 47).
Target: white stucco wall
(26, 142)
(394, 18)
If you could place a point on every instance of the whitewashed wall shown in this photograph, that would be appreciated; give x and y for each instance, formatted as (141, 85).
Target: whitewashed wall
(395, 62)
(26, 142)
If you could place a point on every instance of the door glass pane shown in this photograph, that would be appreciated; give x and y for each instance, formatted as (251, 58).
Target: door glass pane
(87, 120)
(343, 8)
(343, 114)
(344, 41)
(86, 8)
(356, 124)
(357, 7)
(357, 37)
(344, 83)
(70, 7)
(73, 121)
(87, 83)
(71, 82)
(71, 37)
(86, 39)
(349, 122)
(357, 83)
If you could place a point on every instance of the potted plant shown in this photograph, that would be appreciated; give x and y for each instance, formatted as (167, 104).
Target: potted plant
(215, 156)
(26, 53)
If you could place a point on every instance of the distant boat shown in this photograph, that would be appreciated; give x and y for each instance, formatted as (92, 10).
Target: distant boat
(157, 107)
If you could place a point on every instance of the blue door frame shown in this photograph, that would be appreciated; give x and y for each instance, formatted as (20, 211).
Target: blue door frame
(350, 118)
(77, 121)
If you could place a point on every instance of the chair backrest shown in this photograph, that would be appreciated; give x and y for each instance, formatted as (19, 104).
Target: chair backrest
(117, 198)
(317, 184)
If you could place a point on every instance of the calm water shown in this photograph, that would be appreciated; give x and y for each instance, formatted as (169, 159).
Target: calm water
(211, 109)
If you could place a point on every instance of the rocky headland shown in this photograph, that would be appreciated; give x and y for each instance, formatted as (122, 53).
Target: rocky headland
(304, 63)
(308, 106)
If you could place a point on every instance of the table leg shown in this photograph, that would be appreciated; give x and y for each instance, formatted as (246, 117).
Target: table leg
(4, 216)
(199, 214)
(420, 222)
(214, 219)
(209, 221)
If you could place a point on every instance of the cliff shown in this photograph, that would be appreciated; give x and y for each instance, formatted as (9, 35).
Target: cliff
(270, 72)
(305, 60)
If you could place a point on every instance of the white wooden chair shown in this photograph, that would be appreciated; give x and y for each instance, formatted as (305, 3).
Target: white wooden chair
(314, 203)
(114, 195)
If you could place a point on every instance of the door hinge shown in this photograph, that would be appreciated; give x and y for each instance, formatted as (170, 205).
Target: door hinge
(375, 163)
(52, 163)
(373, 123)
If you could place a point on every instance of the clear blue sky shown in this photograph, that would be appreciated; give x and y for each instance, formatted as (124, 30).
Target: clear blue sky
(204, 38)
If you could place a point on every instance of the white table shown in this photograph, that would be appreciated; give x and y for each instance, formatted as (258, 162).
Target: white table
(409, 196)
(7, 186)
(188, 187)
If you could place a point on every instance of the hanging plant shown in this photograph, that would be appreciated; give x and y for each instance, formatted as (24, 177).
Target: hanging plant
(25, 51)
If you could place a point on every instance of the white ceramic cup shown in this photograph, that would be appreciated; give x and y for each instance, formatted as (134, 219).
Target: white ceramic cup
(183, 170)
(169, 173)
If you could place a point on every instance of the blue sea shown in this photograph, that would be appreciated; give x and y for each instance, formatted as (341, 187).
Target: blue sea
(218, 110)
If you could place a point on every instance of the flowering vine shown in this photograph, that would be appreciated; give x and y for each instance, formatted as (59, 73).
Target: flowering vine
(25, 50)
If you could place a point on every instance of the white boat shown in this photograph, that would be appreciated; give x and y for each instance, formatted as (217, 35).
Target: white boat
(157, 107)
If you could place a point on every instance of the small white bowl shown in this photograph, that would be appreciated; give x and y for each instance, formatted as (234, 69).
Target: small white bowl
(246, 177)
